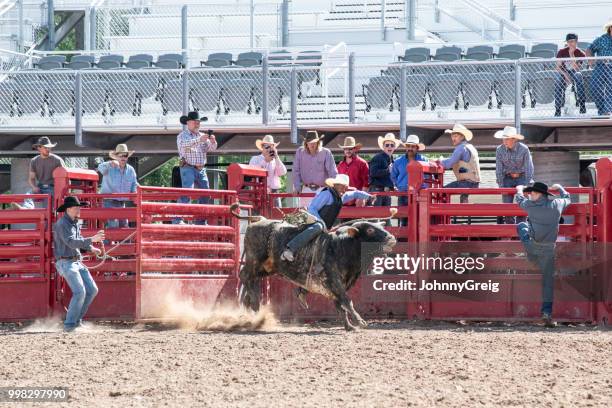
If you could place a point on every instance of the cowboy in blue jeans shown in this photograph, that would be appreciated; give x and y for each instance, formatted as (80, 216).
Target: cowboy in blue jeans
(569, 73)
(539, 235)
(601, 81)
(67, 243)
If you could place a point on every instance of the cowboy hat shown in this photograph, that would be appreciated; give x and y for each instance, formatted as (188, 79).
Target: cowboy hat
(44, 142)
(607, 26)
(195, 115)
(508, 132)
(70, 201)
(339, 179)
(267, 139)
(459, 128)
(389, 137)
(414, 140)
(120, 149)
(538, 187)
(349, 143)
(312, 136)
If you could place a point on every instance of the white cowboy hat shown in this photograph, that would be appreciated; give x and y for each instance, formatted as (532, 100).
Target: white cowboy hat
(414, 140)
(267, 139)
(120, 149)
(508, 132)
(459, 128)
(349, 143)
(389, 137)
(607, 26)
(339, 179)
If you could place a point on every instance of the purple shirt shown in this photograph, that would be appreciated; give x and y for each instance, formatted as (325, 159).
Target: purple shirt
(312, 169)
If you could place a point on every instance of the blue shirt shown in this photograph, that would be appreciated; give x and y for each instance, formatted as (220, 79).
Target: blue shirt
(116, 180)
(461, 152)
(380, 174)
(543, 215)
(324, 197)
(602, 46)
(67, 238)
(399, 174)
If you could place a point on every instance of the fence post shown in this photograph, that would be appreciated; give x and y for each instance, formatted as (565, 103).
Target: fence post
(294, 93)
(252, 13)
(92, 28)
(501, 30)
(285, 23)
(185, 91)
(264, 96)
(50, 25)
(184, 34)
(518, 97)
(402, 104)
(410, 11)
(436, 11)
(383, 6)
(512, 10)
(20, 33)
(351, 86)
(78, 110)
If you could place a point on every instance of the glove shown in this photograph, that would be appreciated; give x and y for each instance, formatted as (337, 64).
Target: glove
(556, 187)
(519, 189)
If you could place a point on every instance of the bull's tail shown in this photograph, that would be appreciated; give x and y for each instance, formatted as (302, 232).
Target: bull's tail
(235, 210)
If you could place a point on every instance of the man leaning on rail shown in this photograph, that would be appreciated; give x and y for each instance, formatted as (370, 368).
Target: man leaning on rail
(67, 243)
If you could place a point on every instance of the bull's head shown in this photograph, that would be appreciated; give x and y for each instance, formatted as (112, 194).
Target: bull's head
(373, 233)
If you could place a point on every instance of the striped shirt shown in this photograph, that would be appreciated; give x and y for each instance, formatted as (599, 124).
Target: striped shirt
(515, 160)
(192, 149)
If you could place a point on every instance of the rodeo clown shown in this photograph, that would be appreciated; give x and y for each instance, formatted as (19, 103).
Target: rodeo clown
(539, 234)
(324, 207)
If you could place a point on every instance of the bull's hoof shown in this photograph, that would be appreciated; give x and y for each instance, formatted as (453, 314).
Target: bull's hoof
(349, 327)
(362, 323)
(301, 296)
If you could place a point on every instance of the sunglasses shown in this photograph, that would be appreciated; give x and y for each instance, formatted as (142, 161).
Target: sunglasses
(389, 144)
(122, 156)
(267, 147)
(349, 149)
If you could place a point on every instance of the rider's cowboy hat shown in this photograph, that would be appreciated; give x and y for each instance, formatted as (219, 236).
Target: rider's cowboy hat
(389, 137)
(195, 115)
(349, 143)
(312, 136)
(508, 132)
(459, 128)
(120, 149)
(538, 187)
(44, 141)
(414, 140)
(339, 179)
(70, 201)
(267, 139)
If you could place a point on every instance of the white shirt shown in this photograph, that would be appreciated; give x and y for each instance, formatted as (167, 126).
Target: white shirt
(275, 169)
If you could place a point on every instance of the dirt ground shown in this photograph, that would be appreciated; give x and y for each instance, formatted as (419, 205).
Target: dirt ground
(388, 364)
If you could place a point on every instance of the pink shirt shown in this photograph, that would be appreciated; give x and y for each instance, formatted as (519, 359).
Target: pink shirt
(275, 169)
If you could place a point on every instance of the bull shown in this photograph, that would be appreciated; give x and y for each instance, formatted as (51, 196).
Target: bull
(329, 265)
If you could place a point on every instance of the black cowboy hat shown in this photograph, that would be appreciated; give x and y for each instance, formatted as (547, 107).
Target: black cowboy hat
(70, 201)
(538, 187)
(195, 115)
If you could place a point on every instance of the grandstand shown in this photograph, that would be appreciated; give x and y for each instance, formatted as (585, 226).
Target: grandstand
(345, 66)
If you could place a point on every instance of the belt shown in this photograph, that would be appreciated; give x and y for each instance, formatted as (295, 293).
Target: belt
(71, 258)
(196, 167)
(515, 175)
(312, 186)
(45, 185)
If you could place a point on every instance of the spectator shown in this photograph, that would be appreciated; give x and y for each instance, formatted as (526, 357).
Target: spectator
(67, 241)
(192, 147)
(40, 176)
(380, 168)
(354, 167)
(271, 162)
(539, 235)
(399, 174)
(513, 165)
(601, 81)
(569, 73)
(313, 164)
(325, 208)
(118, 177)
(464, 160)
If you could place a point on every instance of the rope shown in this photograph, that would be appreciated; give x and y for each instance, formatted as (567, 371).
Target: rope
(105, 254)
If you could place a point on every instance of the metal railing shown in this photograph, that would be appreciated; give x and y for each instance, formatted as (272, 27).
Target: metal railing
(432, 92)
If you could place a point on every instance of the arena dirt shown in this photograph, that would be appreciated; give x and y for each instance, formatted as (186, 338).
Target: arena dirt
(388, 364)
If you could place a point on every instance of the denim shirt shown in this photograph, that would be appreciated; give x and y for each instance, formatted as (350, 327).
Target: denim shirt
(67, 238)
(324, 197)
(116, 180)
(399, 174)
(544, 214)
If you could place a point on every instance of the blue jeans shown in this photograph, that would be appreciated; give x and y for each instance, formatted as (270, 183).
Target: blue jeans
(381, 201)
(29, 203)
(83, 288)
(304, 237)
(543, 255)
(560, 85)
(123, 223)
(402, 201)
(193, 178)
(509, 198)
(463, 198)
(601, 88)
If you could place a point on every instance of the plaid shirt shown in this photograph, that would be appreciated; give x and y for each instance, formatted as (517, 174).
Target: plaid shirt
(192, 149)
(515, 160)
(602, 46)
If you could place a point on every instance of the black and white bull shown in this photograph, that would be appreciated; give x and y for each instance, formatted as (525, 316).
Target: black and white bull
(329, 265)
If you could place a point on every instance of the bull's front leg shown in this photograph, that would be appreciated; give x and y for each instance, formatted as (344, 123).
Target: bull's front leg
(348, 326)
(343, 301)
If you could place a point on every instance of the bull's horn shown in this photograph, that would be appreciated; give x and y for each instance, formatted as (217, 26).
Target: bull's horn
(392, 211)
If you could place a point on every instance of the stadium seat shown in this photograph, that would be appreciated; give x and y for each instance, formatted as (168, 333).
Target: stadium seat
(444, 90)
(247, 62)
(511, 51)
(281, 57)
(447, 54)
(248, 59)
(217, 60)
(47, 65)
(587, 74)
(583, 45)
(205, 95)
(61, 97)
(543, 87)
(108, 64)
(417, 86)
(237, 95)
(278, 88)
(60, 74)
(141, 57)
(137, 64)
(7, 97)
(94, 96)
(172, 96)
(544, 50)
(168, 64)
(505, 89)
(112, 57)
(379, 93)
(123, 98)
(59, 59)
(478, 89)
(77, 65)
(479, 53)
(229, 72)
(31, 97)
(84, 58)
(172, 57)
(417, 54)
